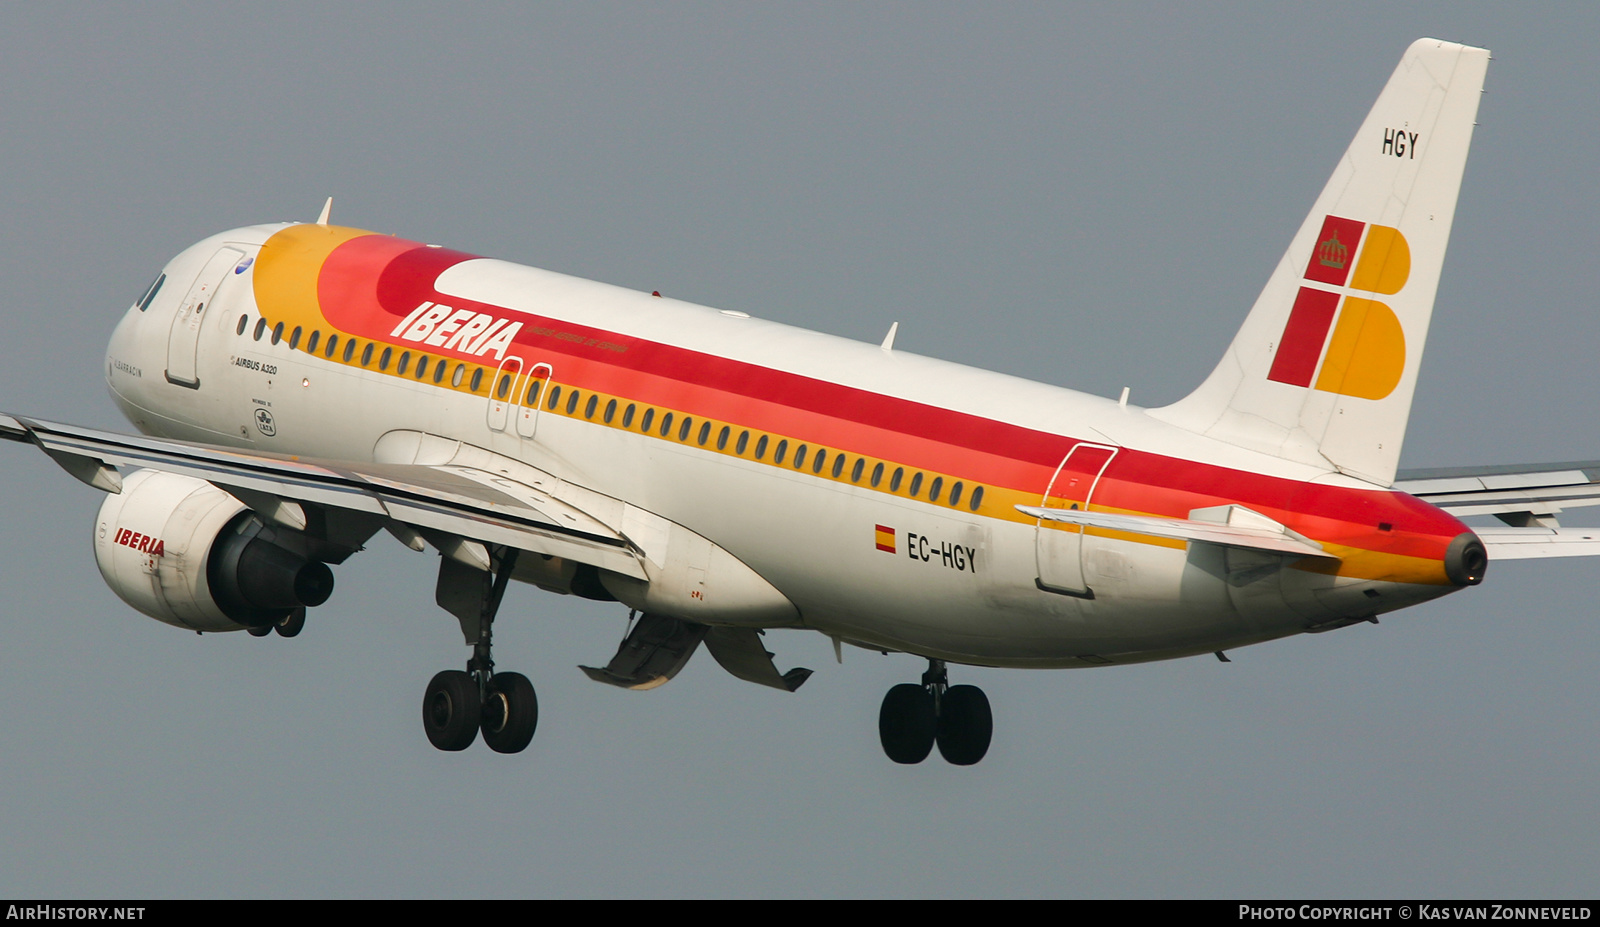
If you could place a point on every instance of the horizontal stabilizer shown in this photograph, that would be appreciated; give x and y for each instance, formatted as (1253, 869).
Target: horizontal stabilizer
(1523, 495)
(1536, 543)
(1271, 540)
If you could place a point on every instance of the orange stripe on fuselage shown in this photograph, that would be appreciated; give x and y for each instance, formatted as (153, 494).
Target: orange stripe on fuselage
(362, 285)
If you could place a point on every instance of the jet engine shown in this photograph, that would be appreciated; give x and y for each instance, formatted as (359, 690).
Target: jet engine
(184, 552)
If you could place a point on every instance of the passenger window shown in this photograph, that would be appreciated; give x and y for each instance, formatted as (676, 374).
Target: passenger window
(894, 481)
(977, 498)
(455, 378)
(405, 363)
(705, 432)
(277, 333)
(588, 408)
(555, 397)
(349, 350)
(261, 328)
(504, 389)
(761, 447)
(572, 402)
(333, 342)
(955, 494)
(649, 418)
(383, 360)
(531, 400)
(933, 491)
(439, 369)
(800, 457)
(477, 379)
(244, 320)
(877, 475)
(722, 438)
(422, 366)
(822, 458)
(294, 338)
(855, 471)
(838, 466)
(683, 430)
(743, 442)
(366, 355)
(627, 415)
(783, 448)
(311, 343)
(611, 411)
(916, 484)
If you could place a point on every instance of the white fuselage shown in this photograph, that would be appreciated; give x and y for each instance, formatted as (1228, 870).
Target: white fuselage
(958, 584)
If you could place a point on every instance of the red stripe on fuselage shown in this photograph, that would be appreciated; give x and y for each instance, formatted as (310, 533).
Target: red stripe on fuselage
(367, 285)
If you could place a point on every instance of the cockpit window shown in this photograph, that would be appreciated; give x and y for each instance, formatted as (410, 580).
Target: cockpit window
(150, 293)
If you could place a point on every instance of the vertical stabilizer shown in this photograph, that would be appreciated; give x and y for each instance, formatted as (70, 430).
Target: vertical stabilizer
(1324, 369)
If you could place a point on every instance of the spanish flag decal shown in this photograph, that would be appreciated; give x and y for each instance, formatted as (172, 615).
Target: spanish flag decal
(885, 539)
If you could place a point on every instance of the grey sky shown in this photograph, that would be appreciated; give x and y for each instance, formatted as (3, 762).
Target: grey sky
(1085, 195)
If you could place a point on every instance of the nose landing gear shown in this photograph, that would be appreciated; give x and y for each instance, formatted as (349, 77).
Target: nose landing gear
(915, 717)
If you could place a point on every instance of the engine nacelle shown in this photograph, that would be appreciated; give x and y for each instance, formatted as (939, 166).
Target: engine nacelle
(184, 552)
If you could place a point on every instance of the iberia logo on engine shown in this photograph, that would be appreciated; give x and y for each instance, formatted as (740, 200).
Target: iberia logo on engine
(143, 543)
(1366, 354)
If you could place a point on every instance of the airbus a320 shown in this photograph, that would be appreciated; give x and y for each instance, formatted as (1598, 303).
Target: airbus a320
(300, 388)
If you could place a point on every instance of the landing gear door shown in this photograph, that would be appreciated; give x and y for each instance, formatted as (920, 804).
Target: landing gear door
(1059, 546)
(528, 414)
(184, 339)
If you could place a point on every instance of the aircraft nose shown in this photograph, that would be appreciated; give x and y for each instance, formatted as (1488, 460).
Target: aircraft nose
(1465, 560)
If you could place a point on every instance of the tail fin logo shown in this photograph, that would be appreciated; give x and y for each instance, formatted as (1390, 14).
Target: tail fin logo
(1366, 353)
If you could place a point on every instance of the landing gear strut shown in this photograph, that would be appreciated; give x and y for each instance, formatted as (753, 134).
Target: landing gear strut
(915, 717)
(458, 704)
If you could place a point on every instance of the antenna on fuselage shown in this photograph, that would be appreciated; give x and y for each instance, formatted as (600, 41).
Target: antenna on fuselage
(888, 340)
(326, 208)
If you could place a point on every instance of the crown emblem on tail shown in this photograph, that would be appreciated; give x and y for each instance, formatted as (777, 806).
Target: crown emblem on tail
(1332, 253)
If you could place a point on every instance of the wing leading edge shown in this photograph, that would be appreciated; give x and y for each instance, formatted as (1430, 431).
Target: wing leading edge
(459, 501)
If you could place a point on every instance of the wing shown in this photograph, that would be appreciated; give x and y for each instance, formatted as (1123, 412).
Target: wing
(458, 501)
(1527, 497)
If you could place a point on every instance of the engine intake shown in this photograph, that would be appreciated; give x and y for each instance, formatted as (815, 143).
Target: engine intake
(186, 553)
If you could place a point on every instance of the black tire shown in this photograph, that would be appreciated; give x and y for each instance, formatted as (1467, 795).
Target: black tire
(291, 624)
(510, 713)
(450, 710)
(907, 724)
(965, 725)
(260, 630)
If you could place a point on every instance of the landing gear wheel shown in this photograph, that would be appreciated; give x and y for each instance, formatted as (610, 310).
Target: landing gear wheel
(965, 725)
(291, 624)
(260, 630)
(451, 710)
(907, 723)
(510, 713)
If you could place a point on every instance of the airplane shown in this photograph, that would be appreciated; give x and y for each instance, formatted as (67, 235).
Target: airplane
(299, 388)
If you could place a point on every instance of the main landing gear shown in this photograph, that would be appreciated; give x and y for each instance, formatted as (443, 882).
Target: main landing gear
(459, 704)
(287, 626)
(915, 717)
